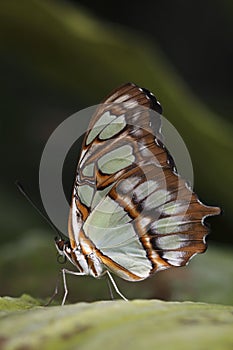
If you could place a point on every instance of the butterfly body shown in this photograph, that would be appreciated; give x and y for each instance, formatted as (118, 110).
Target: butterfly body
(87, 263)
(131, 213)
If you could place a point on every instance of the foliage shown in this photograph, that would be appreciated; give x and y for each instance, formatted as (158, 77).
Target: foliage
(139, 324)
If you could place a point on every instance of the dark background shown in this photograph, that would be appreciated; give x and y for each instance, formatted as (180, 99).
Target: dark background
(195, 36)
(57, 57)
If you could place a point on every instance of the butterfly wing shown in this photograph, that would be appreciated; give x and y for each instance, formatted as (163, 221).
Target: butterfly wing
(129, 204)
(107, 136)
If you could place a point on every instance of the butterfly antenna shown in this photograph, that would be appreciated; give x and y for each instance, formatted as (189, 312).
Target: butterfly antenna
(46, 218)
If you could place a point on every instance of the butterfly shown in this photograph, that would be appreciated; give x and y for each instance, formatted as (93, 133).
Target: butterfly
(130, 213)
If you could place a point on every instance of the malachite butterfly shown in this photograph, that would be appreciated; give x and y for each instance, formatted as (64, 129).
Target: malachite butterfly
(131, 213)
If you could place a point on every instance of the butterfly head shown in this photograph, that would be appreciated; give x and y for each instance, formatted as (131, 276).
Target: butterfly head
(61, 245)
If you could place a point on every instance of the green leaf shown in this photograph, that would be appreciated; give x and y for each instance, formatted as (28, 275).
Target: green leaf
(139, 324)
(25, 302)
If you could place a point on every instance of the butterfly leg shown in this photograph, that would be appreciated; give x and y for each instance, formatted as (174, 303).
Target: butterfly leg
(115, 286)
(110, 287)
(55, 291)
(64, 271)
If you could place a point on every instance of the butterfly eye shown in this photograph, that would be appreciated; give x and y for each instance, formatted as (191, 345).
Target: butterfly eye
(59, 243)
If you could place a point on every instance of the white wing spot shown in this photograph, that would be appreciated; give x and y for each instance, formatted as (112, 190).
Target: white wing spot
(171, 224)
(156, 199)
(174, 258)
(144, 189)
(130, 104)
(104, 120)
(122, 98)
(174, 207)
(171, 242)
(85, 194)
(113, 128)
(88, 170)
(116, 160)
(125, 186)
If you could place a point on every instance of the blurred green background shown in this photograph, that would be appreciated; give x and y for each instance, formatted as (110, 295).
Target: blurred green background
(57, 57)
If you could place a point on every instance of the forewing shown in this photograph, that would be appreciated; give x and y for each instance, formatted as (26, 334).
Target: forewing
(110, 147)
